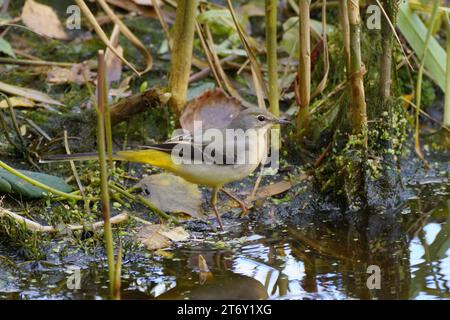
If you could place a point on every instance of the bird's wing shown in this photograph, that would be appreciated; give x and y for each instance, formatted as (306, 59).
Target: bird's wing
(208, 153)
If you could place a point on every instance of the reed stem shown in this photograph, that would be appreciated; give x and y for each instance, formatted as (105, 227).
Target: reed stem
(447, 81)
(272, 63)
(180, 65)
(272, 59)
(387, 41)
(358, 108)
(434, 15)
(304, 70)
(343, 16)
(101, 106)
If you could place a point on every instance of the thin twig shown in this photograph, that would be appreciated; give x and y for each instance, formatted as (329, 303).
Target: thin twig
(74, 169)
(29, 62)
(37, 227)
(101, 34)
(163, 22)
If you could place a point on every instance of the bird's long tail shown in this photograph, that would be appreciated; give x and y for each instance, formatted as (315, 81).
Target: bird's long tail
(149, 156)
(71, 157)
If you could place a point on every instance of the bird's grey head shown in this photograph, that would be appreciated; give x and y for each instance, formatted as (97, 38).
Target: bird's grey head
(254, 118)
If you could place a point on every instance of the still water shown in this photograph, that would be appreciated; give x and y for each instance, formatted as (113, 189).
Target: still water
(322, 258)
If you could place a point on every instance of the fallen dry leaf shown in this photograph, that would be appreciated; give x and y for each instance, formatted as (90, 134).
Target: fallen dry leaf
(31, 94)
(176, 234)
(17, 102)
(58, 75)
(79, 73)
(172, 194)
(213, 108)
(42, 20)
(151, 238)
(157, 236)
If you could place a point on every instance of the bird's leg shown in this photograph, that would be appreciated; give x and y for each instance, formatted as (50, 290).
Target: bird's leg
(237, 200)
(214, 206)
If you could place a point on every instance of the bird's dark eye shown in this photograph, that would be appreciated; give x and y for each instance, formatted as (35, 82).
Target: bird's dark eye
(261, 118)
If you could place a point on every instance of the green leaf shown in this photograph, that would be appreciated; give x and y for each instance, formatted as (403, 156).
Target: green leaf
(6, 48)
(415, 31)
(5, 186)
(9, 183)
(219, 20)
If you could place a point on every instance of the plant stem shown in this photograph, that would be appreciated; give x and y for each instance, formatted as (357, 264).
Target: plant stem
(39, 184)
(75, 173)
(14, 120)
(180, 65)
(272, 62)
(163, 22)
(102, 97)
(304, 70)
(101, 34)
(118, 273)
(343, 16)
(26, 62)
(107, 121)
(387, 41)
(434, 15)
(358, 106)
(447, 81)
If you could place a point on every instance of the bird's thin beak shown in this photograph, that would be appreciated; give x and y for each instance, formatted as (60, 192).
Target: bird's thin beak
(283, 121)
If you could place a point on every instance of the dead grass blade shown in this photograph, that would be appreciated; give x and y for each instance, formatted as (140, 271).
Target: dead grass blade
(101, 34)
(258, 88)
(31, 94)
(249, 49)
(215, 66)
(163, 23)
(129, 35)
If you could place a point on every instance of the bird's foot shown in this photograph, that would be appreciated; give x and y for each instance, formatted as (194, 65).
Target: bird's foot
(241, 203)
(219, 219)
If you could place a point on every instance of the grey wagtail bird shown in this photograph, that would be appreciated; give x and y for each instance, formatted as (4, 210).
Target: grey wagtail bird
(222, 156)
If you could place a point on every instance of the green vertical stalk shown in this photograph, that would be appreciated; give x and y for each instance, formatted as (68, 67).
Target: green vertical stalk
(180, 64)
(107, 121)
(272, 61)
(304, 70)
(434, 15)
(101, 106)
(343, 17)
(447, 81)
(358, 108)
(387, 42)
